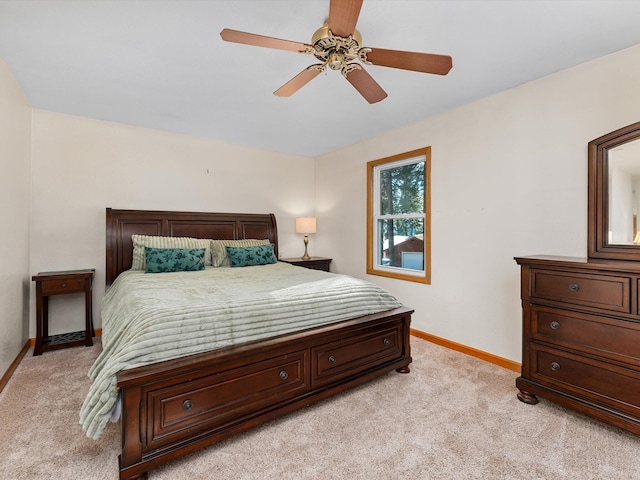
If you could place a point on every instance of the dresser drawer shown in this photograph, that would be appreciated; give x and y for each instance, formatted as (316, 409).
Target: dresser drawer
(209, 402)
(597, 291)
(612, 338)
(602, 382)
(57, 287)
(354, 354)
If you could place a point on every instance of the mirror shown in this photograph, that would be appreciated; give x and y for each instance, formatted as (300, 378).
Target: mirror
(624, 193)
(614, 195)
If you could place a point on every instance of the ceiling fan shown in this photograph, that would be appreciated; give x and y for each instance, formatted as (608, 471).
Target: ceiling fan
(337, 44)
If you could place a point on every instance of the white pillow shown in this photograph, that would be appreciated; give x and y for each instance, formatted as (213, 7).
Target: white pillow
(141, 241)
(219, 257)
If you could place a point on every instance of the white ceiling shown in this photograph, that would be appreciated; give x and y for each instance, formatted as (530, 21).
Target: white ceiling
(163, 65)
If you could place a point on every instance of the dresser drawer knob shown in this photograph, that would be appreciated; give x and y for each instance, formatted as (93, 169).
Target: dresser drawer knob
(555, 325)
(284, 375)
(187, 405)
(332, 359)
(574, 287)
(386, 341)
(555, 366)
(64, 285)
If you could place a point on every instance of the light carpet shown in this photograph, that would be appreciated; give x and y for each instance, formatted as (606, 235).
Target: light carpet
(452, 417)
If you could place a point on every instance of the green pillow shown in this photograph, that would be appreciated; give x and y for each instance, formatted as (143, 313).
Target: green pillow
(159, 260)
(250, 256)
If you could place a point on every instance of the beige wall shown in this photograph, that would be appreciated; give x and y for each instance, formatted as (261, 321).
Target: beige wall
(81, 166)
(509, 178)
(15, 132)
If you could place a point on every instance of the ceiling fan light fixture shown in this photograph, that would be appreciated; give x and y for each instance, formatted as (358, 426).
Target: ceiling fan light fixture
(335, 61)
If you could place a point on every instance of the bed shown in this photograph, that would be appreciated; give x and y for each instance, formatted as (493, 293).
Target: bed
(171, 408)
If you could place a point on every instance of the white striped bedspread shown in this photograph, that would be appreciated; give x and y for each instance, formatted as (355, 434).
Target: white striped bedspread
(148, 318)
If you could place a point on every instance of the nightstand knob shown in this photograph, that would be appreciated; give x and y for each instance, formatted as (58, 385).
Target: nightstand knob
(284, 375)
(332, 359)
(64, 285)
(386, 341)
(555, 366)
(554, 325)
(574, 287)
(187, 405)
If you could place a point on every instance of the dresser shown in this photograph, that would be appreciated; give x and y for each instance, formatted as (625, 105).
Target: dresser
(581, 336)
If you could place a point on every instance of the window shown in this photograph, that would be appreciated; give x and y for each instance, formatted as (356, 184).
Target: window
(398, 216)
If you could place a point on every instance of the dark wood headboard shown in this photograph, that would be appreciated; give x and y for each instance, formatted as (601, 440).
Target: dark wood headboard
(121, 224)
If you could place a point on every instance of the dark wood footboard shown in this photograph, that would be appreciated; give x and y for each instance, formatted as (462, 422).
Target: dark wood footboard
(178, 406)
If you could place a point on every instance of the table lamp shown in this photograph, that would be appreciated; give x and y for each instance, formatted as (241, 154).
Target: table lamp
(306, 225)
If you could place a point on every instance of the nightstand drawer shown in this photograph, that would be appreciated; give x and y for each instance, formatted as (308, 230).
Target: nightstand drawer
(597, 291)
(317, 265)
(62, 286)
(314, 263)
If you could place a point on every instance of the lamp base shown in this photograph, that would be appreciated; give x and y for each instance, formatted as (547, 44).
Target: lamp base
(306, 242)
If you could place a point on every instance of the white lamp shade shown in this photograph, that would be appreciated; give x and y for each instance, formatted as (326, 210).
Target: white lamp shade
(305, 225)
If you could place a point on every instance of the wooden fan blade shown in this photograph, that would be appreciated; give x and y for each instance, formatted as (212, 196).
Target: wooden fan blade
(343, 16)
(418, 62)
(366, 85)
(245, 38)
(299, 81)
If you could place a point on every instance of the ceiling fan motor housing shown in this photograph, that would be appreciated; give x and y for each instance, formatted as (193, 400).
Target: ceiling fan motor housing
(335, 51)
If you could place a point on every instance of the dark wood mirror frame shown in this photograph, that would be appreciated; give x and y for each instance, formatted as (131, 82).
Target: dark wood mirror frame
(598, 246)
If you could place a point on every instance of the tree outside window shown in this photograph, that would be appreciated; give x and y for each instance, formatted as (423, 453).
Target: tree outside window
(398, 220)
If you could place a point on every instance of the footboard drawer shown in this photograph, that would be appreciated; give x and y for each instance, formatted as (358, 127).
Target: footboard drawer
(211, 402)
(343, 358)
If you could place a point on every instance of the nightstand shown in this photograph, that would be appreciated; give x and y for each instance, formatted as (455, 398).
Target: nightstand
(62, 283)
(314, 263)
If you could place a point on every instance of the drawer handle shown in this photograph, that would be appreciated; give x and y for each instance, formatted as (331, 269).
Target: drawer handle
(332, 359)
(284, 375)
(555, 366)
(555, 325)
(187, 405)
(386, 341)
(574, 287)
(64, 285)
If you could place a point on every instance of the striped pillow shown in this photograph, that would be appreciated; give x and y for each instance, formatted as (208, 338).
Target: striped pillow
(219, 257)
(141, 241)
